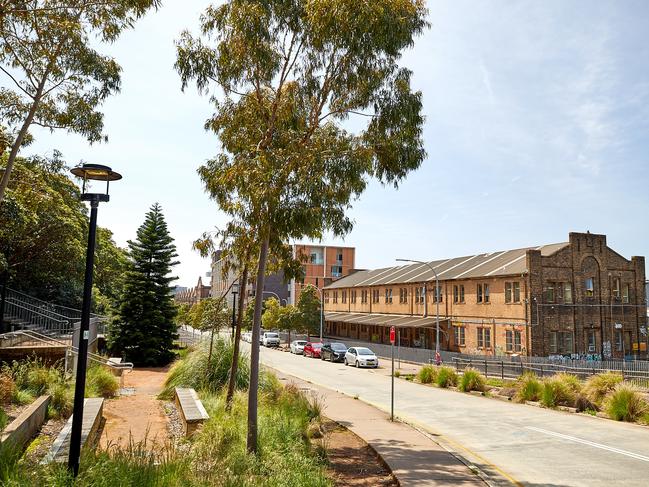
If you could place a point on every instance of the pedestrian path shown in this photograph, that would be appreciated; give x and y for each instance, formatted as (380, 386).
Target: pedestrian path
(414, 458)
(137, 415)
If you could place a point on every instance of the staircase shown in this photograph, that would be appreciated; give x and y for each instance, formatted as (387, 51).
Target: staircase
(23, 312)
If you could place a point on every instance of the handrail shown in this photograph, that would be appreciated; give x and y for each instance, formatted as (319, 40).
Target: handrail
(77, 312)
(21, 306)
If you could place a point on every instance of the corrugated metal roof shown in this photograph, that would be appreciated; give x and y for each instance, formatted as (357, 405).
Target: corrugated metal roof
(503, 263)
(398, 321)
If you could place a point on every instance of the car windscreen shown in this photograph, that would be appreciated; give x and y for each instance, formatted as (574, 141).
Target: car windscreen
(272, 335)
(338, 347)
(364, 351)
(300, 342)
(316, 345)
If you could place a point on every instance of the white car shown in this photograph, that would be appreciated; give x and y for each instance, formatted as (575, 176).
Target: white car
(246, 336)
(297, 346)
(270, 339)
(361, 357)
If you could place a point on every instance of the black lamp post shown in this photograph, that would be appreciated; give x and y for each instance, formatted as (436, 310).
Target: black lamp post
(235, 287)
(87, 172)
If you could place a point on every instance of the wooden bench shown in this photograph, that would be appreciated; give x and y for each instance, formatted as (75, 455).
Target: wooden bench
(191, 409)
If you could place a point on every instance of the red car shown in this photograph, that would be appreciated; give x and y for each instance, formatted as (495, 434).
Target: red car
(312, 349)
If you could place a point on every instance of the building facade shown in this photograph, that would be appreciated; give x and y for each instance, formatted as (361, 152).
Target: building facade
(192, 295)
(576, 298)
(322, 265)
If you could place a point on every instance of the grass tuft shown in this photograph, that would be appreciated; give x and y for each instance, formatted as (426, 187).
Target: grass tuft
(560, 390)
(472, 380)
(626, 404)
(599, 386)
(100, 382)
(427, 374)
(446, 377)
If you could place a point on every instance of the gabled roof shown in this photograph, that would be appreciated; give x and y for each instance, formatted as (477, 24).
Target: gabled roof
(503, 263)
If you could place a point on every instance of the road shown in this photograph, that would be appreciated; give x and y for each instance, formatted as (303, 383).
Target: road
(528, 445)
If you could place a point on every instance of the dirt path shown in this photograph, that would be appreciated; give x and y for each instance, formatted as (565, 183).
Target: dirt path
(137, 415)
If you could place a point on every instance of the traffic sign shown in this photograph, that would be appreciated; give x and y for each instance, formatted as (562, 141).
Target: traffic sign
(392, 335)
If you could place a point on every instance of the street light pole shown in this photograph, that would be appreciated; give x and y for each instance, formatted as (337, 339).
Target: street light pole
(234, 307)
(98, 173)
(437, 295)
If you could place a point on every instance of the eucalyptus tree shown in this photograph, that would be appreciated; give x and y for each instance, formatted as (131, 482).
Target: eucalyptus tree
(291, 73)
(53, 77)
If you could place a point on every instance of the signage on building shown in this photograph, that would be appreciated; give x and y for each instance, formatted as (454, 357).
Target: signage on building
(607, 349)
(618, 326)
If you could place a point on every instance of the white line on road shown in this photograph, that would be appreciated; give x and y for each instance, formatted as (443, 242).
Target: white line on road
(637, 456)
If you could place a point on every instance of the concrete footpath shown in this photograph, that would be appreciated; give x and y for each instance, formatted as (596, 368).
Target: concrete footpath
(414, 458)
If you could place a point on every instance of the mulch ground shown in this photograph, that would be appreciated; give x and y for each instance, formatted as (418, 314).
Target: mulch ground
(352, 461)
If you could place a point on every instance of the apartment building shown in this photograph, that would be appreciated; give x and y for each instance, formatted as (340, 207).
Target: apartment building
(575, 298)
(322, 265)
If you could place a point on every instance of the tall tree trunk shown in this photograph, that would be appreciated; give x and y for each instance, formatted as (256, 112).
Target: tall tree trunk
(237, 337)
(254, 355)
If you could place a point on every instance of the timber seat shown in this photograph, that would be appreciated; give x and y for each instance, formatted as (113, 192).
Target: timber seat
(191, 409)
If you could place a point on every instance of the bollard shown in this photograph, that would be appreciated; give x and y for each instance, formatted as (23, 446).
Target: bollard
(502, 369)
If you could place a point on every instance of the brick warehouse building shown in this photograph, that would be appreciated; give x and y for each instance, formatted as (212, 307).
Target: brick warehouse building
(574, 298)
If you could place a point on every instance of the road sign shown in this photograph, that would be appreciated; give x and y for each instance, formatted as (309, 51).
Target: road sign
(618, 326)
(392, 335)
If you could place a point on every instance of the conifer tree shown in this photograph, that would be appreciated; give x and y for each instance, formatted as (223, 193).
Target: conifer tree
(145, 328)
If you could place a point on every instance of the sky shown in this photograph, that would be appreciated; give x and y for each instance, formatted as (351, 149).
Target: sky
(537, 117)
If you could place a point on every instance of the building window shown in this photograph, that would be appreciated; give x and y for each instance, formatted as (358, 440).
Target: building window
(513, 292)
(554, 342)
(364, 296)
(344, 300)
(486, 292)
(461, 293)
(403, 295)
(591, 342)
(456, 294)
(326, 296)
(589, 288)
(339, 256)
(375, 295)
(388, 295)
(567, 293)
(353, 297)
(549, 293)
(335, 296)
(508, 292)
(459, 335)
(419, 295)
(616, 288)
(479, 293)
(625, 293)
(336, 271)
(561, 342)
(513, 341)
(484, 337)
(618, 340)
(437, 298)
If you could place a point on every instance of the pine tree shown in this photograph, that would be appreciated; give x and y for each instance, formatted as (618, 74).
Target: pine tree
(144, 330)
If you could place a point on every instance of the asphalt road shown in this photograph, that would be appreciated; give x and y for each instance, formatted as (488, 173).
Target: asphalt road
(525, 444)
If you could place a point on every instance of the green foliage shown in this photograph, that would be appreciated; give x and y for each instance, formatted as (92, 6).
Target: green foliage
(194, 370)
(472, 380)
(446, 377)
(560, 390)
(100, 382)
(625, 404)
(145, 328)
(308, 306)
(4, 419)
(7, 387)
(62, 399)
(427, 374)
(22, 396)
(528, 388)
(270, 320)
(209, 314)
(599, 386)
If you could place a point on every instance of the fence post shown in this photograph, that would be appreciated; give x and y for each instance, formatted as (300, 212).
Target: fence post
(502, 369)
(470, 362)
(486, 370)
(521, 367)
(542, 375)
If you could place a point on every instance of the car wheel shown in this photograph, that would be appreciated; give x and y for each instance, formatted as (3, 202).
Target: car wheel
(357, 365)
(346, 364)
(331, 358)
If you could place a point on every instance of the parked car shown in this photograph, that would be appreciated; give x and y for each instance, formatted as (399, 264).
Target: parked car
(361, 357)
(334, 352)
(312, 349)
(246, 336)
(297, 346)
(270, 339)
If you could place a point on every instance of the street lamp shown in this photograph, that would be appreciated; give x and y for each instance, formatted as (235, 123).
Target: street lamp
(437, 293)
(87, 172)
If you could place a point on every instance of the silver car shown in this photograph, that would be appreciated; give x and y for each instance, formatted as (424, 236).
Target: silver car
(270, 339)
(297, 346)
(361, 357)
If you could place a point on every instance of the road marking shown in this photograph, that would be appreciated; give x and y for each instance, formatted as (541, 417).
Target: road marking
(637, 456)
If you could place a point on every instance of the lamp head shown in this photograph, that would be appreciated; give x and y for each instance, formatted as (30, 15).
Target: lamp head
(95, 172)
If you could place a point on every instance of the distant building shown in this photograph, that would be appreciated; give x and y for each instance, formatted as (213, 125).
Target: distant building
(575, 298)
(192, 295)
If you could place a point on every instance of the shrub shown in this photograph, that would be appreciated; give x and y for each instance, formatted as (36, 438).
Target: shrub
(7, 387)
(61, 402)
(625, 404)
(4, 419)
(194, 371)
(21, 396)
(101, 382)
(599, 386)
(557, 391)
(427, 374)
(472, 380)
(446, 377)
(528, 388)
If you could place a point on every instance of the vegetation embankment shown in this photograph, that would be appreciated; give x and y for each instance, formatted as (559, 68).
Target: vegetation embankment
(605, 394)
(216, 455)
